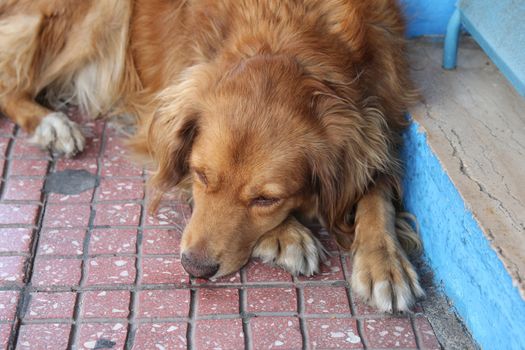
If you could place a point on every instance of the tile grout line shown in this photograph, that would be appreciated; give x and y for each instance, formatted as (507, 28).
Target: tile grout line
(245, 316)
(300, 313)
(134, 293)
(7, 162)
(191, 324)
(348, 275)
(417, 335)
(199, 318)
(25, 293)
(75, 333)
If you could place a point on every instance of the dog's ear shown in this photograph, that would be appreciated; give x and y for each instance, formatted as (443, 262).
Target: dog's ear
(170, 136)
(355, 146)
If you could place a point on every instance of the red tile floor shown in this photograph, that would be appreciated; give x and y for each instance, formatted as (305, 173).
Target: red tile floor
(95, 271)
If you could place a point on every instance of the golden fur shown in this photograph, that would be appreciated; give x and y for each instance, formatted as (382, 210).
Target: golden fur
(275, 112)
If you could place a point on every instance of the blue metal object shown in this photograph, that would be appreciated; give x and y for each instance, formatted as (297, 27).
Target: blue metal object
(499, 28)
(450, 51)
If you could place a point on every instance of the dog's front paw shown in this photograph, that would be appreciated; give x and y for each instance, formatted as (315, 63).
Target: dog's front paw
(386, 280)
(293, 247)
(59, 135)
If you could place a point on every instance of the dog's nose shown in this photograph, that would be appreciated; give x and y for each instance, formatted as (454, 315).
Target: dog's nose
(198, 266)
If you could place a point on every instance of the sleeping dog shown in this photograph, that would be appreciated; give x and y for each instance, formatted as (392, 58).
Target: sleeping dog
(274, 112)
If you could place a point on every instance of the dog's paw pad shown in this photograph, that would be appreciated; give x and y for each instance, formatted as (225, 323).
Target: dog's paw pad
(59, 135)
(390, 285)
(296, 250)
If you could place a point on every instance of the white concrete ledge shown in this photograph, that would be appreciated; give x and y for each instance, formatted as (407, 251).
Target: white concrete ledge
(475, 122)
(464, 158)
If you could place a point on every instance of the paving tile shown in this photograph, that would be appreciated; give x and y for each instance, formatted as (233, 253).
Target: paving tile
(28, 167)
(163, 270)
(418, 308)
(6, 126)
(51, 305)
(75, 114)
(217, 301)
(83, 197)
(326, 300)
(276, 333)
(389, 333)
(119, 166)
(89, 164)
(219, 334)
(47, 336)
(106, 304)
(173, 214)
(330, 270)
(5, 332)
(23, 149)
(113, 270)
(160, 336)
(102, 336)
(331, 246)
(23, 214)
(57, 272)
(115, 144)
(11, 270)
(4, 143)
(66, 216)
(272, 300)
(61, 242)
(257, 271)
(331, 333)
(361, 308)
(327, 240)
(8, 304)
(92, 147)
(117, 214)
(23, 189)
(234, 278)
(157, 241)
(164, 303)
(15, 239)
(112, 241)
(120, 189)
(428, 340)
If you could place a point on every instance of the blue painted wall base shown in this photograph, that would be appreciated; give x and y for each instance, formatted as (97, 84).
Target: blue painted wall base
(463, 261)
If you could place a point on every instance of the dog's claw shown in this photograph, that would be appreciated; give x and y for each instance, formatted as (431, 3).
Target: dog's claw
(59, 135)
(293, 247)
(391, 286)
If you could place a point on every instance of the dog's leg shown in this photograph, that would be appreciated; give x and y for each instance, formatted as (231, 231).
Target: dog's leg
(382, 273)
(22, 75)
(291, 246)
(51, 130)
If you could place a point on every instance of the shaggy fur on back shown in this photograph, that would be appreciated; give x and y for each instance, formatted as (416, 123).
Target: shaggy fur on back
(273, 112)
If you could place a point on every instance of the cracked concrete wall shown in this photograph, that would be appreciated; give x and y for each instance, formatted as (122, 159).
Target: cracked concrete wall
(464, 181)
(475, 123)
(464, 263)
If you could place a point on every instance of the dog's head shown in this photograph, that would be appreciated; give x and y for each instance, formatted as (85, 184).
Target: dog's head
(260, 140)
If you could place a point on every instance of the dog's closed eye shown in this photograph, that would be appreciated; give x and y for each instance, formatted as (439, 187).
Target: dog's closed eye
(202, 177)
(263, 201)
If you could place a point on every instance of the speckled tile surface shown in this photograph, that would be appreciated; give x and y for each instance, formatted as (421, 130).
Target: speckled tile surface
(94, 271)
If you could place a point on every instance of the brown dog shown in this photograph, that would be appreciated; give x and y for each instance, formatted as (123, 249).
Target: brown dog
(274, 111)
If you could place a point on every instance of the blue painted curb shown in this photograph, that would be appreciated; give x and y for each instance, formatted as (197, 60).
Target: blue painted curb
(463, 261)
